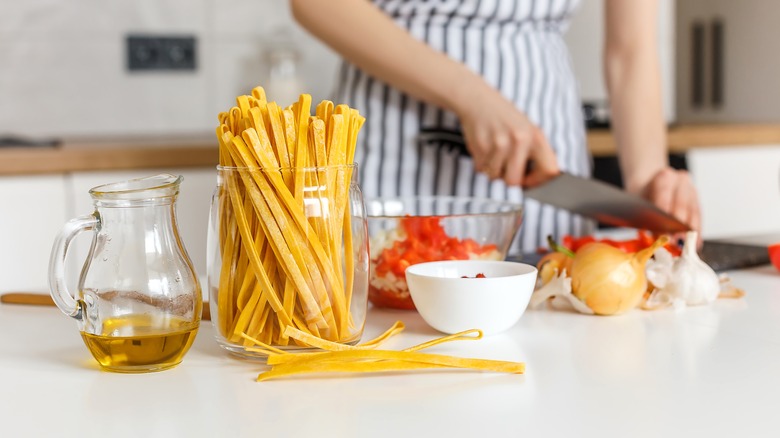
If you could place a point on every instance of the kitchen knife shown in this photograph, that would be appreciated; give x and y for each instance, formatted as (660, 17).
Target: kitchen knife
(36, 299)
(605, 203)
(584, 196)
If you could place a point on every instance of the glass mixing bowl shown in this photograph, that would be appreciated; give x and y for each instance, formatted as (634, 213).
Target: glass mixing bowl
(409, 230)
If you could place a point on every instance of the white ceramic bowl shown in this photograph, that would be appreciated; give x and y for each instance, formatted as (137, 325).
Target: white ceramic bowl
(450, 303)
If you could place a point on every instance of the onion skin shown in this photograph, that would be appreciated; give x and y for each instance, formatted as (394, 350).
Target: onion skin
(553, 264)
(608, 280)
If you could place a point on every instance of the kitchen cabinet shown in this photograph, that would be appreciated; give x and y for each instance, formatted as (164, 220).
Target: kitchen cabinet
(739, 189)
(34, 208)
(726, 68)
(42, 188)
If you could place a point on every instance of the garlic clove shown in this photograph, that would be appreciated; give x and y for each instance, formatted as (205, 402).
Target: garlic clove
(557, 285)
(692, 280)
(578, 305)
(659, 268)
(559, 288)
(658, 299)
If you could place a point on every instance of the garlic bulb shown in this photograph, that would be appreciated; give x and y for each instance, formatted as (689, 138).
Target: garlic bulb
(689, 279)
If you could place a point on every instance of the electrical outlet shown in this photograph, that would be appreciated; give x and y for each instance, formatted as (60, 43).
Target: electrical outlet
(149, 52)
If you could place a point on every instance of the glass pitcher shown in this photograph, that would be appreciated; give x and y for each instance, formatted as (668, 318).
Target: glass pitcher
(138, 304)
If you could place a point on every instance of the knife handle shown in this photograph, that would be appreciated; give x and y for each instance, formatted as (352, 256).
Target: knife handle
(27, 298)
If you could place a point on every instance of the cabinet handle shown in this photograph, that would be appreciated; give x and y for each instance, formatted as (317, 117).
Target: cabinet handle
(697, 64)
(716, 30)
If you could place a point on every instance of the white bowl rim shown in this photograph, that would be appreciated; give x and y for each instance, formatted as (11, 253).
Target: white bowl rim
(526, 269)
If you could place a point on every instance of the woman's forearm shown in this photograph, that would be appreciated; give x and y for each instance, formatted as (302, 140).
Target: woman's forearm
(633, 81)
(499, 137)
(366, 37)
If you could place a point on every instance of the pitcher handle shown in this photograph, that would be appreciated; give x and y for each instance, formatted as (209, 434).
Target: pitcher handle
(59, 290)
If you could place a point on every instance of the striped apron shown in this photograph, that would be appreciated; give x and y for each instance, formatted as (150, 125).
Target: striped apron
(517, 46)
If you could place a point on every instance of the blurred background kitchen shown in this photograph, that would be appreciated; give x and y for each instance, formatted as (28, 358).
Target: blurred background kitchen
(95, 91)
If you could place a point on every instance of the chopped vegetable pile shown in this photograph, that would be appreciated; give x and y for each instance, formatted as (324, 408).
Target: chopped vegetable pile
(642, 241)
(426, 241)
(418, 239)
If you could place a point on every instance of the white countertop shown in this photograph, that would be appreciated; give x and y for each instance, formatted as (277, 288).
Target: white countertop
(709, 371)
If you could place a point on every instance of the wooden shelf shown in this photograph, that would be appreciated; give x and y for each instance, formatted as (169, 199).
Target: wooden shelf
(201, 151)
(116, 154)
(684, 137)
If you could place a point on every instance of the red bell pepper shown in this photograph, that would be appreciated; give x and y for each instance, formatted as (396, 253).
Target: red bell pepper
(642, 241)
(774, 255)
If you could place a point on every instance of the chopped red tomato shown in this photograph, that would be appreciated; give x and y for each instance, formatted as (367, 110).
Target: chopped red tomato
(388, 298)
(425, 241)
(480, 275)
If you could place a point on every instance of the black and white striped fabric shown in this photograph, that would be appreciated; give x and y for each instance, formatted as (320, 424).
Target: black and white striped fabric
(517, 46)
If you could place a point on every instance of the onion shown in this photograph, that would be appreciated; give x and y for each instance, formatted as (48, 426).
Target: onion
(608, 280)
(559, 260)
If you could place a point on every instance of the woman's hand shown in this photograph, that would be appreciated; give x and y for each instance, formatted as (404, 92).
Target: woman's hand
(502, 141)
(673, 192)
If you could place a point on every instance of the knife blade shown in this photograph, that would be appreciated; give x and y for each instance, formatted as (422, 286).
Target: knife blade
(36, 299)
(605, 203)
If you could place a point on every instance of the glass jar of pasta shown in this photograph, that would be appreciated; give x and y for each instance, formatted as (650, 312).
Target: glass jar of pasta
(287, 247)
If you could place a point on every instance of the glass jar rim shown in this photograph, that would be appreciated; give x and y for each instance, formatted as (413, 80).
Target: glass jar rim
(288, 169)
(502, 207)
(157, 186)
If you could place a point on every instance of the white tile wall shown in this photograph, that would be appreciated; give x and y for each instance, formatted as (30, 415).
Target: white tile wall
(79, 18)
(238, 68)
(244, 38)
(249, 17)
(54, 88)
(62, 64)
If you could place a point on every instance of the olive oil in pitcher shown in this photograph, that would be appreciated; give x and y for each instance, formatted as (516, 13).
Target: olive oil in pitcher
(135, 342)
